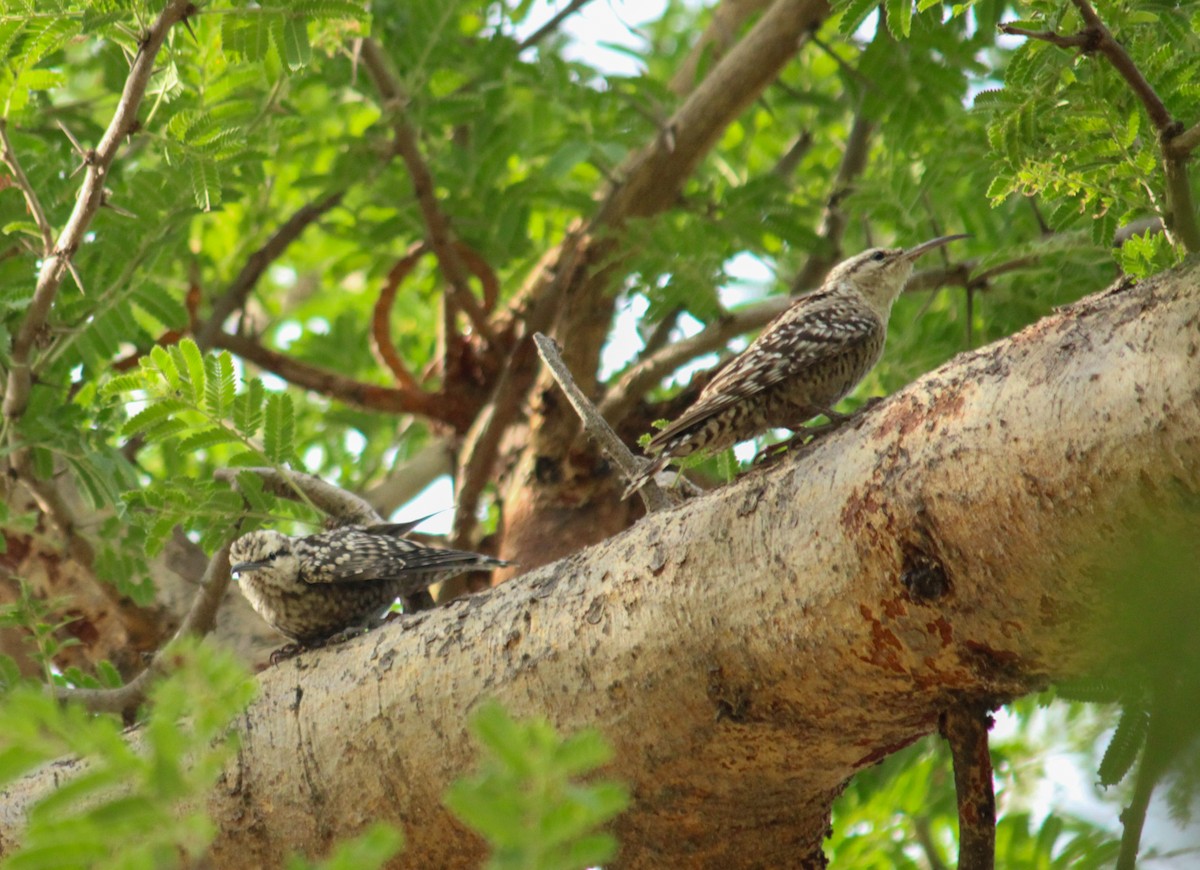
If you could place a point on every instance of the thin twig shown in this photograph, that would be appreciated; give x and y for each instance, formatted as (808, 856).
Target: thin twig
(1123, 63)
(87, 203)
(597, 427)
(199, 621)
(1086, 41)
(965, 727)
(552, 25)
(234, 297)
(31, 198)
(440, 236)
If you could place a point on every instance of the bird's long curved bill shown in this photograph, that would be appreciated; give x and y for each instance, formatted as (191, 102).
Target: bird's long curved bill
(916, 251)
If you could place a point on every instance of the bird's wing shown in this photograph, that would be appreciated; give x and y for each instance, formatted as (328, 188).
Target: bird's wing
(377, 553)
(814, 331)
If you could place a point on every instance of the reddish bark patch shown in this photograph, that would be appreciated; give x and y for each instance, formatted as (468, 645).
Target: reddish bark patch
(884, 645)
(941, 627)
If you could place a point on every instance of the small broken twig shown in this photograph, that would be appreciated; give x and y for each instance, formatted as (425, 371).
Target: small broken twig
(596, 426)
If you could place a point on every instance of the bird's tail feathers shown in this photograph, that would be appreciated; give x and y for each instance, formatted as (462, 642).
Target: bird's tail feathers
(644, 476)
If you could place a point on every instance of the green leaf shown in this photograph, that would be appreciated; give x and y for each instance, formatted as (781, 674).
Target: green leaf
(206, 183)
(162, 359)
(194, 364)
(221, 384)
(279, 431)
(248, 408)
(899, 17)
(206, 438)
(291, 40)
(1126, 742)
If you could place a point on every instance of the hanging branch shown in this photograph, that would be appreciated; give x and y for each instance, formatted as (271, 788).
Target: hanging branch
(965, 728)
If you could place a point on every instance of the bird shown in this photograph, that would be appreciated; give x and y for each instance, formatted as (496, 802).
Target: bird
(314, 587)
(802, 364)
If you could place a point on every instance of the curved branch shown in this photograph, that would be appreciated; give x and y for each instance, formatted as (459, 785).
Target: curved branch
(88, 202)
(441, 238)
(199, 621)
(381, 324)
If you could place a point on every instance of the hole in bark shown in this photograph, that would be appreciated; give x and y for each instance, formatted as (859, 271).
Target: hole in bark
(924, 576)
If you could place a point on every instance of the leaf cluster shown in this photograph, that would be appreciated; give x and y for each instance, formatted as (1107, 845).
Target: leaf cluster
(126, 804)
(527, 799)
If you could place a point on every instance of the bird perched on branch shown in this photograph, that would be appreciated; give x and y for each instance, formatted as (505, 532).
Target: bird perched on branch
(311, 588)
(804, 362)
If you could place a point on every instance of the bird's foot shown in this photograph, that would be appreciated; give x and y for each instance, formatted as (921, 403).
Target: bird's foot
(291, 650)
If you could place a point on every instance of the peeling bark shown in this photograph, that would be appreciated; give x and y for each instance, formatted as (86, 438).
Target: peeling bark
(747, 652)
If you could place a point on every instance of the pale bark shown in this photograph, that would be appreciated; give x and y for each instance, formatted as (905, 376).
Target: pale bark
(750, 650)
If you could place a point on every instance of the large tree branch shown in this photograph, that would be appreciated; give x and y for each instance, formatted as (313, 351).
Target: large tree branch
(750, 650)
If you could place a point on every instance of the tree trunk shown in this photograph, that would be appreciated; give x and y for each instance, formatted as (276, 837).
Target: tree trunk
(747, 652)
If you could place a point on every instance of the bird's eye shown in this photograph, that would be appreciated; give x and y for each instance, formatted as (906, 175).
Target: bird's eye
(878, 256)
(272, 557)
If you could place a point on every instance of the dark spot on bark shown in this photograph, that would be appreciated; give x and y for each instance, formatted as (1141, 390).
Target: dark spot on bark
(512, 639)
(296, 699)
(595, 611)
(923, 576)
(658, 559)
(731, 702)
(546, 470)
(750, 501)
